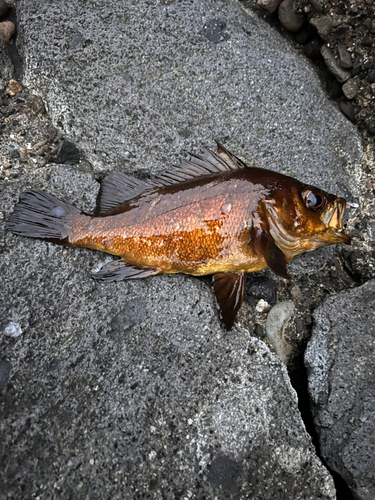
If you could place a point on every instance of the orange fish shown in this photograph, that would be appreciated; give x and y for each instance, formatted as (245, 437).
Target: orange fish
(209, 215)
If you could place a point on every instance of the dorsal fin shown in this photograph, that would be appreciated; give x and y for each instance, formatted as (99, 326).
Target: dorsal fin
(116, 188)
(198, 166)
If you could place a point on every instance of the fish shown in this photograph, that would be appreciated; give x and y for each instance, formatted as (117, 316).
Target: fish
(210, 215)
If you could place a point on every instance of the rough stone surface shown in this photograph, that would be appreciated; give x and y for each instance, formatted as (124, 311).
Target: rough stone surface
(135, 388)
(340, 359)
(350, 88)
(133, 88)
(323, 26)
(5, 65)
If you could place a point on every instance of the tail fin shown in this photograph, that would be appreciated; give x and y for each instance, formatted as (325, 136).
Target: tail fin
(41, 215)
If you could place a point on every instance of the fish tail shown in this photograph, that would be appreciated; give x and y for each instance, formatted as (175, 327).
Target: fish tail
(41, 215)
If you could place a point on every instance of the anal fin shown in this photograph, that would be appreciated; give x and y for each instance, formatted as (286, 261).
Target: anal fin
(229, 290)
(118, 270)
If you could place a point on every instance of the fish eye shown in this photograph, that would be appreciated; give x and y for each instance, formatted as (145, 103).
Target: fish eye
(314, 199)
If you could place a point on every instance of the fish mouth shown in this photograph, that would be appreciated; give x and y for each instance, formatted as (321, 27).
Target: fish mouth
(332, 218)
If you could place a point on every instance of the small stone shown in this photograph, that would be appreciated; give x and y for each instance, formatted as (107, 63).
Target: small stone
(372, 85)
(270, 5)
(332, 64)
(312, 49)
(7, 30)
(348, 110)
(367, 64)
(305, 34)
(288, 18)
(35, 105)
(67, 153)
(316, 5)
(323, 26)
(276, 323)
(350, 88)
(356, 69)
(13, 88)
(367, 23)
(371, 126)
(4, 9)
(13, 330)
(6, 110)
(367, 41)
(344, 56)
(262, 288)
(215, 31)
(371, 77)
(262, 306)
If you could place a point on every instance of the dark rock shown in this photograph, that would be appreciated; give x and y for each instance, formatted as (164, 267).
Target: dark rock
(4, 9)
(348, 110)
(368, 64)
(356, 69)
(305, 34)
(371, 77)
(5, 368)
(312, 49)
(367, 41)
(6, 110)
(67, 153)
(262, 288)
(288, 18)
(333, 65)
(215, 31)
(334, 88)
(323, 26)
(340, 358)
(14, 153)
(316, 5)
(371, 126)
(344, 56)
(367, 23)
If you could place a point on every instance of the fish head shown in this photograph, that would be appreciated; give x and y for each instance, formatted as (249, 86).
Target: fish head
(301, 218)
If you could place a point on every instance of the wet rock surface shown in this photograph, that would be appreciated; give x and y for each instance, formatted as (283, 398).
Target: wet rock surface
(135, 388)
(340, 361)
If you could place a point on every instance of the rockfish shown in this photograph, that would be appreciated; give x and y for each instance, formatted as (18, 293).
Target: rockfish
(210, 215)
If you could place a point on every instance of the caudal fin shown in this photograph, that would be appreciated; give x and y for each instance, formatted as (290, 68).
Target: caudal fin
(40, 215)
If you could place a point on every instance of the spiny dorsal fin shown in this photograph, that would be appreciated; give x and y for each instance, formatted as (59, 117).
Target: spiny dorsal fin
(198, 166)
(117, 188)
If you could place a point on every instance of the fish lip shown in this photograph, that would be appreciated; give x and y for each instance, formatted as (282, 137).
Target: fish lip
(333, 219)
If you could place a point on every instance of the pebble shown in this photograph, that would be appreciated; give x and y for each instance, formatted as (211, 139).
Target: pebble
(262, 306)
(13, 330)
(262, 288)
(270, 5)
(67, 153)
(350, 88)
(357, 68)
(332, 64)
(35, 104)
(7, 30)
(13, 88)
(4, 9)
(348, 109)
(323, 26)
(312, 49)
(215, 31)
(277, 320)
(344, 56)
(371, 126)
(316, 5)
(367, 64)
(288, 18)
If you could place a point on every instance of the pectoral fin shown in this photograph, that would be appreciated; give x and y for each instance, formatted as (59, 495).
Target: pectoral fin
(273, 256)
(118, 270)
(229, 290)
